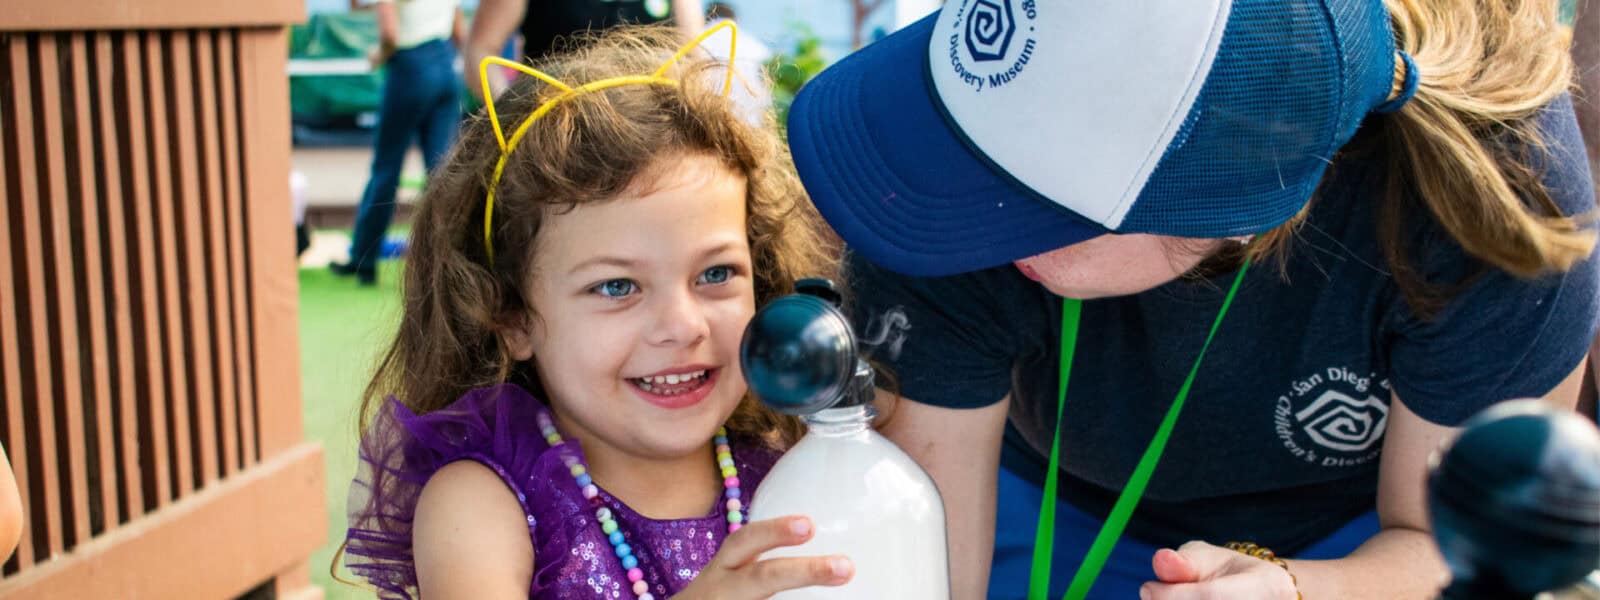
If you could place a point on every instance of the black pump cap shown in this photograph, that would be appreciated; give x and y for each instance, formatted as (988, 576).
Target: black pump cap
(799, 353)
(1515, 501)
(820, 287)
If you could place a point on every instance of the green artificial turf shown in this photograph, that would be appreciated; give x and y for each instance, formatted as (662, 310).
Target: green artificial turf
(343, 329)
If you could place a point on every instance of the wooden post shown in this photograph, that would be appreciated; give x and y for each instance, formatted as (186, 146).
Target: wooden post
(149, 371)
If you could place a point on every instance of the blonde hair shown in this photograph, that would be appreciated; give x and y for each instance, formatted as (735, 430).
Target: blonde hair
(457, 303)
(1462, 147)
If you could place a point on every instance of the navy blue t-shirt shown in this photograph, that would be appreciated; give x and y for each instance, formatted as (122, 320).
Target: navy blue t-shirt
(1279, 440)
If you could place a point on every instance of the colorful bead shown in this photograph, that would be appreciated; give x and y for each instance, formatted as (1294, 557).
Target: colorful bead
(607, 521)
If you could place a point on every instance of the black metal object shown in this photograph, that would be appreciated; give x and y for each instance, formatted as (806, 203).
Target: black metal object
(1515, 502)
(799, 353)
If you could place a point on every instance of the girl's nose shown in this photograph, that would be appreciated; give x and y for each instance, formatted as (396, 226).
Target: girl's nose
(680, 321)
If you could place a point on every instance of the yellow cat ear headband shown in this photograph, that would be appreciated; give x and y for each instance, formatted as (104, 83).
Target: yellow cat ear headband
(658, 77)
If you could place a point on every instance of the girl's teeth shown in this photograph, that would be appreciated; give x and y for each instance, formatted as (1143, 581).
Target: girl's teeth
(645, 382)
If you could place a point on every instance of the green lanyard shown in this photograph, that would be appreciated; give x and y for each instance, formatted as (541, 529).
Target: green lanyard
(1100, 550)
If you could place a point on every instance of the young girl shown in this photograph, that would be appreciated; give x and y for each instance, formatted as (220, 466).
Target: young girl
(565, 412)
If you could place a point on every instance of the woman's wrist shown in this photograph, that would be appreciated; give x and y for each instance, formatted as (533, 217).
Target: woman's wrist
(1261, 552)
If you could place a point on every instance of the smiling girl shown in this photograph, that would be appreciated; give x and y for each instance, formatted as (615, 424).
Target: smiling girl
(565, 412)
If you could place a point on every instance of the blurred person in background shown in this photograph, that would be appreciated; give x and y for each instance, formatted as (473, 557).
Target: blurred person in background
(417, 41)
(753, 92)
(543, 26)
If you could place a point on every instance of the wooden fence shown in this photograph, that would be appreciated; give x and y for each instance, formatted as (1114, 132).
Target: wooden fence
(149, 377)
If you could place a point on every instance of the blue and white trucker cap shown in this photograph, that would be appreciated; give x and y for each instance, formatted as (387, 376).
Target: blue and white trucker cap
(994, 130)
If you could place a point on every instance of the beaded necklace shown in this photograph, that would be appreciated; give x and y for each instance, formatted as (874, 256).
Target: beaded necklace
(608, 523)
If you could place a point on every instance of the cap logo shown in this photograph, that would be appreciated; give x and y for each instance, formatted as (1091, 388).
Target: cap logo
(989, 29)
(985, 29)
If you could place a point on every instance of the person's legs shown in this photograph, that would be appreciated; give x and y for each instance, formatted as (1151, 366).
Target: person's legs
(443, 116)
(399, 114)
(1129, 564)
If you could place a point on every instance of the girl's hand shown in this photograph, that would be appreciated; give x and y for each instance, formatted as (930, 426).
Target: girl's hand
(735, 574)
(1201, 571)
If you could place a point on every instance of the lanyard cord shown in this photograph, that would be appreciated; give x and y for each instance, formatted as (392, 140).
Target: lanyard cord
(1100, 550)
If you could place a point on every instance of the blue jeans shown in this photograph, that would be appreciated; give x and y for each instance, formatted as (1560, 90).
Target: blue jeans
(420, 102)
(1129, 565)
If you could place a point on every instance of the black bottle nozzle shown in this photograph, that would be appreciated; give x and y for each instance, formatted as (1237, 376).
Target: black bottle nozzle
(1515, 502)
(799, 352)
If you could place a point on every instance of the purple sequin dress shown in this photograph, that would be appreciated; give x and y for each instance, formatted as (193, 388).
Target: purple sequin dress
(496, 427)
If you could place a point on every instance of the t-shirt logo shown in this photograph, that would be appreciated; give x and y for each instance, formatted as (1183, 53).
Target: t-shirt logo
(1340, 422)
(989, 28)
(1334, 418)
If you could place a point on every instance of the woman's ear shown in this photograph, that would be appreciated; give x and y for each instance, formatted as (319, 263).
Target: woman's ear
(519, 335)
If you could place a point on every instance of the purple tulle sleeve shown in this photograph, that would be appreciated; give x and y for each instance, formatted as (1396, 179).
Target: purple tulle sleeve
(401, 450)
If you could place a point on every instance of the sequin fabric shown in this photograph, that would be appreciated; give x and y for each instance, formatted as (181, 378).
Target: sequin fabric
(497, 427)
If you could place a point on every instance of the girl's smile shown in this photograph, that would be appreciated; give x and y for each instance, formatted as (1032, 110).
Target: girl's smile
(678, 387)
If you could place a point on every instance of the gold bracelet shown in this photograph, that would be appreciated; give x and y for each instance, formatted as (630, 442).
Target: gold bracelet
(1261, 552)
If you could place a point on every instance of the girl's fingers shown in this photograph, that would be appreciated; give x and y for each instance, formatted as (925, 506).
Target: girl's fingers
(768, 577)
(745, 545)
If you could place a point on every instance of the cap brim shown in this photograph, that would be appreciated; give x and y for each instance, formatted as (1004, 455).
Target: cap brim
(899, 183)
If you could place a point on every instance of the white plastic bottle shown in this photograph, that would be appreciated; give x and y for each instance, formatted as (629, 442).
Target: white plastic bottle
(868, 501)
(865, 497)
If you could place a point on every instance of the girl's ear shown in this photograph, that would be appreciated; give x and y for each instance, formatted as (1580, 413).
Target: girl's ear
(518, 333)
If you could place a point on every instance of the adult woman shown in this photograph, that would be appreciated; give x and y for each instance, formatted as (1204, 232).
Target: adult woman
(994, 159)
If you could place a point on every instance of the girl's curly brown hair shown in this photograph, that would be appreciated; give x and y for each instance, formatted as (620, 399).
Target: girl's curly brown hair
(588, 149)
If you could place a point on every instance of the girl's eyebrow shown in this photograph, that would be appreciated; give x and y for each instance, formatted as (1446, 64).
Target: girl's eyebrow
(602, 260)
(617, 261)
(718, 249)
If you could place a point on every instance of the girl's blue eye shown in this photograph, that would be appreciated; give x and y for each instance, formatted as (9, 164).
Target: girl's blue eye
(717, 275)
(615, 288)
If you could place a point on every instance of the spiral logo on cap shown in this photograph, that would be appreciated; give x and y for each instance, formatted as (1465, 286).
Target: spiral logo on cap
(989, 28)
(1341, 422)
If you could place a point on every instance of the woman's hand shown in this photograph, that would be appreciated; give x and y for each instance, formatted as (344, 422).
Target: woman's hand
(735, 574)
(1201, 571)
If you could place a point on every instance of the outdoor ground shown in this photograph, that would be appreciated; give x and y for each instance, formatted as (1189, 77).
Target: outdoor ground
(342, 329)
